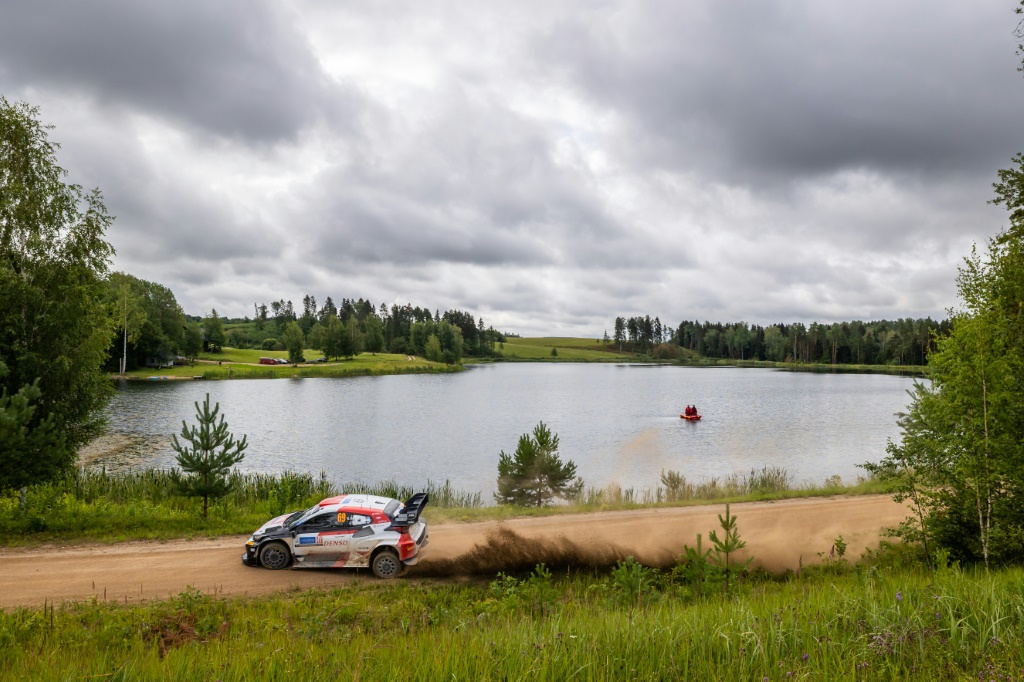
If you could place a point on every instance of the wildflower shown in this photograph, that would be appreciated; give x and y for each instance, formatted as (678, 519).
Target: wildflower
(806, 656)
(899, 596)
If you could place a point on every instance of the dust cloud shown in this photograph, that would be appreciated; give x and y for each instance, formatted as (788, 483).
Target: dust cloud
(506, 551)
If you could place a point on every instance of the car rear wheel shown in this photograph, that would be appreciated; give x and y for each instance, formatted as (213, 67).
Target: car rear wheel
(275, 556)
(386, 564)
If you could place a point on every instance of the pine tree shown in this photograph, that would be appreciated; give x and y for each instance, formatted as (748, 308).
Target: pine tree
(214, 332)
(31, 450)
(534, 474)
(208, 461)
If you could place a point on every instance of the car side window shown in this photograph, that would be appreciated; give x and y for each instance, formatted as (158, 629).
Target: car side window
(358, 520)
(320, 522)
(350, 520)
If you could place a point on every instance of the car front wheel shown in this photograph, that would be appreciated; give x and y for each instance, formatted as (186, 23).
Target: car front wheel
(386, 564)
(275, 556)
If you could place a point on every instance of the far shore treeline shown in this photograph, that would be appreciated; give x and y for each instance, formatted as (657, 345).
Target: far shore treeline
(904, 341)
(161, 331)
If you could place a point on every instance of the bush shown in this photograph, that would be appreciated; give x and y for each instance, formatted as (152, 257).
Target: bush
(269, 344)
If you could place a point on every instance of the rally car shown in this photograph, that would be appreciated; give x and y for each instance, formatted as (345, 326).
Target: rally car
(351, 531)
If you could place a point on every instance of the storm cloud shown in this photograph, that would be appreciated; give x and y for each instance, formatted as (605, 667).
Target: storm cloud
(546, 165)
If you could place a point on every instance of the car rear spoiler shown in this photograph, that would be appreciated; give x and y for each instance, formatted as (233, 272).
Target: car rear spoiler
(413, 507)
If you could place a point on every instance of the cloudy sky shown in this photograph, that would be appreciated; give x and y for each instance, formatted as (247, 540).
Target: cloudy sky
(545, 165)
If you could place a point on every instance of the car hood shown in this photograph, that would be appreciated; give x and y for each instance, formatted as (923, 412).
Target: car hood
(272, 524)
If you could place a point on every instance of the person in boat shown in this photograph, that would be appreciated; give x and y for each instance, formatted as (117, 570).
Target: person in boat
(694, 408)
(688, 411)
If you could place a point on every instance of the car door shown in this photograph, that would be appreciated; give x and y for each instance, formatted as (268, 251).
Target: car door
(311, 546)
(325, 540)
(364, 538)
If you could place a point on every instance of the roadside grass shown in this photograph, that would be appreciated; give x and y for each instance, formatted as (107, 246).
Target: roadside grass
(715, 490)
(364, 364)
(94, 505)
(873, 621)
(142, 504)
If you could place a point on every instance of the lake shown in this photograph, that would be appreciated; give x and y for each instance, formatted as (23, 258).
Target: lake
(619, 423)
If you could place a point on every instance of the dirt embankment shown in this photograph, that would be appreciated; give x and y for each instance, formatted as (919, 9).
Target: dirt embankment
(779, 535)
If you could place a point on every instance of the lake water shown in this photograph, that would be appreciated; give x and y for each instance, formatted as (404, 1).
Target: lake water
(619, 423)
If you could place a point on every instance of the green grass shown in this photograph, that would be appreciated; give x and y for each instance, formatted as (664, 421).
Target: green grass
(253, 355)
(142, 504)
(243, 364)
(569, 349)
(869, 623)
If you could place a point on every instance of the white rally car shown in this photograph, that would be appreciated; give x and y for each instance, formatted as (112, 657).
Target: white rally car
(350, 531)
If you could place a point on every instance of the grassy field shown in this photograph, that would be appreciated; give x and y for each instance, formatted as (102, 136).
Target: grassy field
(569, 349)
(242, 364)
(253, 355)
(875, 621)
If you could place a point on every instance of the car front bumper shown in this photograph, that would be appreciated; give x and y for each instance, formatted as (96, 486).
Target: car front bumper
(250, 558)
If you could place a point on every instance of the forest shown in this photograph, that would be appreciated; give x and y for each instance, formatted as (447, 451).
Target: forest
(900, 342)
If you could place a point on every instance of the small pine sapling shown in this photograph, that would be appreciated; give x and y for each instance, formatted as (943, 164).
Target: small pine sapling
(542, 592)
(728, 545)
(207, 459)
(694, 565)
(630, 578)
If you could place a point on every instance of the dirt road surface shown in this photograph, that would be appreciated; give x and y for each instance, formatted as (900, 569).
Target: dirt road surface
(779, 534)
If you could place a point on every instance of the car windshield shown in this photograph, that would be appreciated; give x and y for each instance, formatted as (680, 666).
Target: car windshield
(300, 515)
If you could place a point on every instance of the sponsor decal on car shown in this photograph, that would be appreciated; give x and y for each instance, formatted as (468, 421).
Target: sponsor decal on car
(332, 540)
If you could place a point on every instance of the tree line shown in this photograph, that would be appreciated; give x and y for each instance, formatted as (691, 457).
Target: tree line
(904, 341)
(357, 325)
(149, 328)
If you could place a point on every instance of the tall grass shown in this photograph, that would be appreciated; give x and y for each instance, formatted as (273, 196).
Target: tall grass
(143, 503)
(868, 624)
(764, 483)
